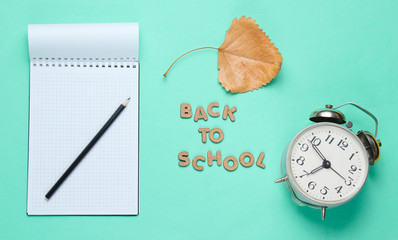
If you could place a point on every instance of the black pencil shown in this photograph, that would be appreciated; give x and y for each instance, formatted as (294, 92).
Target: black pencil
(87, 149)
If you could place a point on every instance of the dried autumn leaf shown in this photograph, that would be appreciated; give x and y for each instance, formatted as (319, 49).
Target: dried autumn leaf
(247, 59)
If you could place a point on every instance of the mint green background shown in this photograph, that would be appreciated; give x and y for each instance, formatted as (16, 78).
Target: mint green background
(334, 51)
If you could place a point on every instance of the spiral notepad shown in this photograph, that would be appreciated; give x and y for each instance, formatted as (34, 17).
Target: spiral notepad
(79, 74)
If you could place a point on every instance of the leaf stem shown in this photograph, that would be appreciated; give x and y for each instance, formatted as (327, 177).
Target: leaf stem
(165, 74)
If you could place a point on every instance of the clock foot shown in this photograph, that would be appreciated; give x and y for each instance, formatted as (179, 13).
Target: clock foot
(282, 179)
(323, 213)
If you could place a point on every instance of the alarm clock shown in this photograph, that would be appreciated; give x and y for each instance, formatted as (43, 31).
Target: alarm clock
(326, 164)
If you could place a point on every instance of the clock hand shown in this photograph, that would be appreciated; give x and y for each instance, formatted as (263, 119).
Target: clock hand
(313, 171)
(338, 173)
(306, 173)
(319, 152)
(326, 163)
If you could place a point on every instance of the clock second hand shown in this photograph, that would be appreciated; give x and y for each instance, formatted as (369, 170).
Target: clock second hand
(326, 163)
(338, 174)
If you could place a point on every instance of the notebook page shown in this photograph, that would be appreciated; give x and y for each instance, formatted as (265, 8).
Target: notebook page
(69, 102)
(102, 41)
(67, 108)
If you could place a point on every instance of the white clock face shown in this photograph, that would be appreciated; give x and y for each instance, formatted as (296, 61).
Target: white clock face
(327, 164)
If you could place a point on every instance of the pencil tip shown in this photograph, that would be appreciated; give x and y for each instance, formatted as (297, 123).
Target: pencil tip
(126, 102)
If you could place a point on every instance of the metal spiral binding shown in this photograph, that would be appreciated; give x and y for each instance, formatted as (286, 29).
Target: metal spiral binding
(84, 62)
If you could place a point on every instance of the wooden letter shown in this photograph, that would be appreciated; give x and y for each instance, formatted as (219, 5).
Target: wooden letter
(260, 160)
(204, 131)
(185, 111)
(210, 109)
(242, 159)
(220, 135)
(200, 114)
(211, 158)
(195, 162)
(234, 160)
(184, 160)
(229, 112)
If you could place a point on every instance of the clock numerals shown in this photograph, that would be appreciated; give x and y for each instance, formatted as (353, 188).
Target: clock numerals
(348, 181)
(316, 141)
(324, 190)
(304, 147)
(329, 139)
(311, 185)
(342, 144)
(300, 160)
(326, 163)
(353, 169)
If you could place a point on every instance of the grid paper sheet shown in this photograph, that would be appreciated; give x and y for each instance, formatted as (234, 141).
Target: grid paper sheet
(68, 106)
